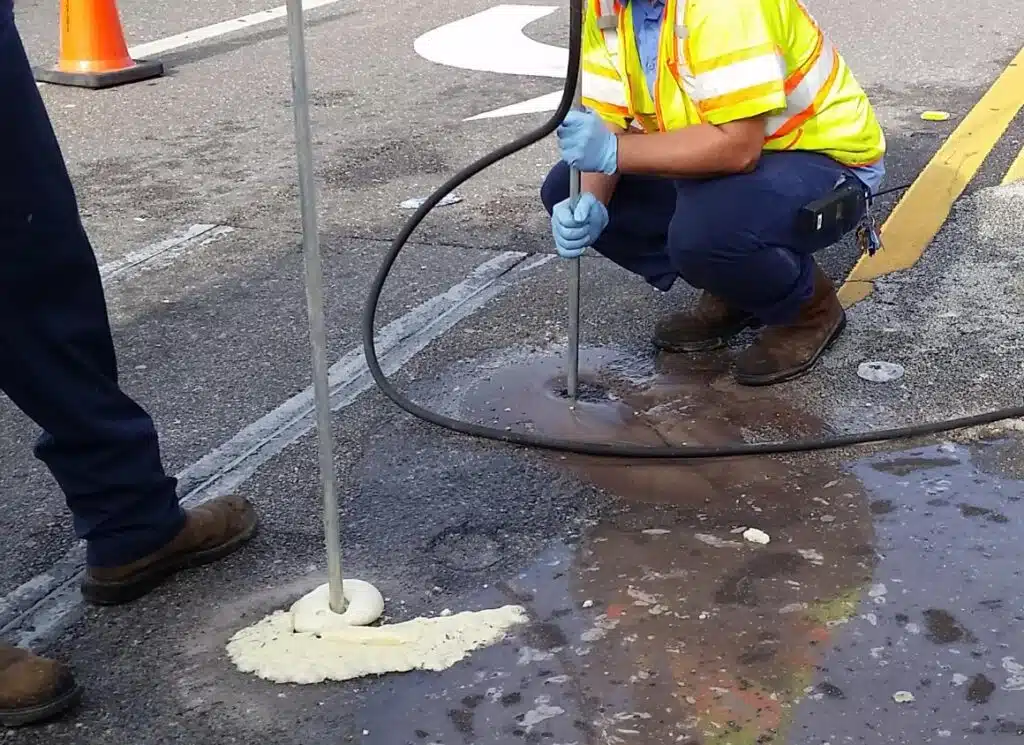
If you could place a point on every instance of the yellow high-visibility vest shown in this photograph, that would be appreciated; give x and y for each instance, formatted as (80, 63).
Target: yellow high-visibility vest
(725, 60)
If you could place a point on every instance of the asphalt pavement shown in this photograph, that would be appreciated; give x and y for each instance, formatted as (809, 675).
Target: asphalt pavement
(892, 570)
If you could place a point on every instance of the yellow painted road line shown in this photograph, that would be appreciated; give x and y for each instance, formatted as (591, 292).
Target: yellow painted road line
(920, 214)
(1016, 172)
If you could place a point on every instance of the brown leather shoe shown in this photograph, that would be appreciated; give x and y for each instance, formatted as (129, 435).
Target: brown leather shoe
(33, 689)
(710, 325)
(212, 531)
(786, 352)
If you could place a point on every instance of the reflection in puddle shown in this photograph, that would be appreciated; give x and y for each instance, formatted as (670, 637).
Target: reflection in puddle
(950, 628)
(662, 624)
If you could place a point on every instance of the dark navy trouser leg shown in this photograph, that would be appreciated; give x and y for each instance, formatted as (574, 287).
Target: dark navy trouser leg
(736, 236)
(733, 236)
(57, 361)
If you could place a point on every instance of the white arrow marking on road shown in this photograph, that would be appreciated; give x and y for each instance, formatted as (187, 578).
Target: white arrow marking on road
(493, 41)
(547, 102)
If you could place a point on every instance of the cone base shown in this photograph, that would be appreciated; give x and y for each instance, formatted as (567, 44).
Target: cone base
(141, 70)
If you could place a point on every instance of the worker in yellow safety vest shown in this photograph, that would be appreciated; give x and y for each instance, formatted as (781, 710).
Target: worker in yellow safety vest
(709, 126)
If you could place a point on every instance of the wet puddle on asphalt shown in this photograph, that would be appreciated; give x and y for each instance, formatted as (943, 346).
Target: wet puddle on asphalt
(894, 577)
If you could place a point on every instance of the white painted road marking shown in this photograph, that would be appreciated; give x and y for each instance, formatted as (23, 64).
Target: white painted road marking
(162, 253)
(42, 607)
(538, 105)
(489, 41)
(189, 38)
(494, 41)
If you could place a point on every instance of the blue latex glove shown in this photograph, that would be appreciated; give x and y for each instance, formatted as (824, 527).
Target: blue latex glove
(574, 230)
(587, 144)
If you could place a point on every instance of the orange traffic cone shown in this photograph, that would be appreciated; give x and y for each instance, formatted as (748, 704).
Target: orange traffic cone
(93, 52)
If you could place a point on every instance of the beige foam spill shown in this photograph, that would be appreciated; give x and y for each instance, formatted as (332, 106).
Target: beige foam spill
(273, 650)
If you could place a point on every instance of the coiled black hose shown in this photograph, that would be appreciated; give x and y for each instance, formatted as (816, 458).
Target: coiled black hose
(586, 448)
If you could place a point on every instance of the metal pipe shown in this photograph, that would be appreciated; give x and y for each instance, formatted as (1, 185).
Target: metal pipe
(573, 364)
(315, 300)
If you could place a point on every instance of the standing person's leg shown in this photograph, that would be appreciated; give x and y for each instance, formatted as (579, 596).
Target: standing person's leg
(57, 364)
(638, 219)
(736, 239)
(32, 689)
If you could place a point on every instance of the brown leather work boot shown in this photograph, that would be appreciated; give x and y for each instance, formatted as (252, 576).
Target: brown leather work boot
(212, 531)
(710, 325)
(786, 352)
(33, 689)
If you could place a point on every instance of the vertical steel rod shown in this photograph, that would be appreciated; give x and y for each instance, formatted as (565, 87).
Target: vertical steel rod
(573, 372)
(315, 300)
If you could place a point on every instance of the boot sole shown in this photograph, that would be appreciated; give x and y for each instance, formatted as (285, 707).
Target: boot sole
(125, 591)
(35, 714)
(794, 372)
(705, 345)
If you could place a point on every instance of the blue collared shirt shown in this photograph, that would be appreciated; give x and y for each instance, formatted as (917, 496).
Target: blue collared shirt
(647, 16)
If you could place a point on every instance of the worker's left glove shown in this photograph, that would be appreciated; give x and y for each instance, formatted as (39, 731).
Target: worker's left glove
(587, 144)
(574, 230)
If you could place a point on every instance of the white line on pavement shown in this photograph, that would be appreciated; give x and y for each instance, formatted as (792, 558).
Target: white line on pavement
(42, 607)
(188, 38)
(161, 254)
(205, 33)
(538, 105)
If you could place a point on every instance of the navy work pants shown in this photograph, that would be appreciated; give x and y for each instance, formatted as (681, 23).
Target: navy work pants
(733, 236)
(57, 361)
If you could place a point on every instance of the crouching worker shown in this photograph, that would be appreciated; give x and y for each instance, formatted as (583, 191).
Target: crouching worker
(709, 125)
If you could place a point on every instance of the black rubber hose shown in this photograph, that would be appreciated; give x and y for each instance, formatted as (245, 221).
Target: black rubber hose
(586, 448)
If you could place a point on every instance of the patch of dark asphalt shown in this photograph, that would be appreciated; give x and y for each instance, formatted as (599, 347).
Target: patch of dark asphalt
(943, 628)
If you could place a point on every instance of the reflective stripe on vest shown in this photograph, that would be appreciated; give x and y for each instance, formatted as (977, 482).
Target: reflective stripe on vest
(606, 89)
(804, 94)
(714, 68)
(605, 85)
(689, 82)
(608, 23)
(804, 89)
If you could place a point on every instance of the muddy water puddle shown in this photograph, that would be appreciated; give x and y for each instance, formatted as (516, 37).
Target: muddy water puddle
(708, 635)
(675, 401)
(944, 616)
(886, 579)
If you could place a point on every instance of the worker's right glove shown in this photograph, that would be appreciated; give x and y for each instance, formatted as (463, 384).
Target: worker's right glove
(574, 230)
